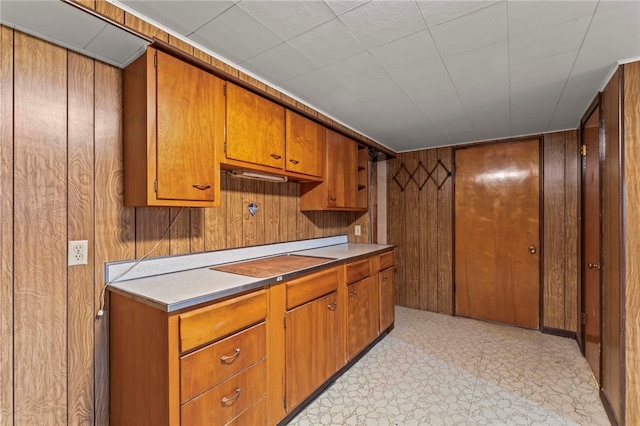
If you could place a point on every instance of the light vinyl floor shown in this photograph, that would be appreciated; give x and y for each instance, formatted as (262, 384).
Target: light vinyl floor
(435, 369)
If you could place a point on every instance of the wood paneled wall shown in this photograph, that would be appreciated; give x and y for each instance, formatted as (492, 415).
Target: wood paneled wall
(631, 245)
(612, 350)
(61, 179)
(561, 176)
(420, 223)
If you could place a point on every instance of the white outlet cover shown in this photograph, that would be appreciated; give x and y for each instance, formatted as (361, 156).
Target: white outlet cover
(358, 230)
(78, 252)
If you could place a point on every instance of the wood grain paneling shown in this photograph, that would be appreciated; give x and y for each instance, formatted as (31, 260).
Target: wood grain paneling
(144, 27)
(445, 232)
(632, 238)
(612, 350)
(420, 224)
(61, 362)
(412, 219)
(571, 230)
(553, 243)
(560, 232)
(80, 224)
(431, 234)
(114, 224)
(40, 232)
(431, 252)
(110, 11)
(395, 224)
(6, 226)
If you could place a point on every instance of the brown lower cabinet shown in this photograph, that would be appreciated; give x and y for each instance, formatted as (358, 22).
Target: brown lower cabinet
(313, 342)
(250, 359)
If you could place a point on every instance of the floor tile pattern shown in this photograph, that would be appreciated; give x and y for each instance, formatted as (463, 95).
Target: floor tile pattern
(435, 369)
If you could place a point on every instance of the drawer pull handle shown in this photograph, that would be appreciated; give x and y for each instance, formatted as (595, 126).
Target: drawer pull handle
(332, 306)
(333, 199)
(294, 161)
(276, 156)
(228, 359)
(353, 293)
(230, 400)
(384, 278)
(201, 187)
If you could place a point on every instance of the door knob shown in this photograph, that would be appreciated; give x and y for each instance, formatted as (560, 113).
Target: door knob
(593, 265)
(532, 249)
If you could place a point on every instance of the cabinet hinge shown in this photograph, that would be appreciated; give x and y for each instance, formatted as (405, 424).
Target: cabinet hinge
(225, 147)
(155, 60)
(583, 150)
(583, 318)
(285, 322)
(155, 186)
(284, 402)
(224, 89)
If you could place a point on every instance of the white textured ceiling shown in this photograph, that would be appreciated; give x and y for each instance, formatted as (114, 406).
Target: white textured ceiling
(416, 74)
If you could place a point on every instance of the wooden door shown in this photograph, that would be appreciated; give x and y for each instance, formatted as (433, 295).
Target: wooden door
(190, 116)
(305, 145)
(362, 318)
(255, 128)
(342, 161)
(497, 232)
(312, 347)
(591, 242)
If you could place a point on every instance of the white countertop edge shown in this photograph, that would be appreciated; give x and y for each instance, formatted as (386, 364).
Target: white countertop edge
(178, 263)
(186, 289)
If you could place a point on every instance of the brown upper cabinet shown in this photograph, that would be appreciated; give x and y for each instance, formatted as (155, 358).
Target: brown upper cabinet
(305, 145)
(255, 130)
(345, 184)
(173, 119)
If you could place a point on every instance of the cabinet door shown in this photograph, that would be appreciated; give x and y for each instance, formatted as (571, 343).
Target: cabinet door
(190, 119)
(342, 171)
(255, 128)
(312, 347)
(362, 318)
(387, 298)
(305, 145)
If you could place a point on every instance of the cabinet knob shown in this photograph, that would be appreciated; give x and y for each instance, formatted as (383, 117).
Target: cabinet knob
(276, 156)
(201, 187)
(227, 400)
(332, 306)
(293, 161)
(593, 265)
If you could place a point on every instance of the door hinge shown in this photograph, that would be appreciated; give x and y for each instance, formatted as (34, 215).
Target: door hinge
(155, 60)
(155, 185)
(583, 318)
(583, 150)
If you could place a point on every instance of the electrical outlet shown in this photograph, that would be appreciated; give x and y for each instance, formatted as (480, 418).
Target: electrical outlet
(78, 252)
(358, 230)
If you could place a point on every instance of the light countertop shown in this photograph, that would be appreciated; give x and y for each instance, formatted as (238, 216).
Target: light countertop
(178, 290)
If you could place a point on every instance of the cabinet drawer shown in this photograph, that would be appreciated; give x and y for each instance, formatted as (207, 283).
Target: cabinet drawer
(387, 260)
(212, 322)
(228, 399)
(256, 415)
(206, 367)
(357, 271)
(311, 287)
